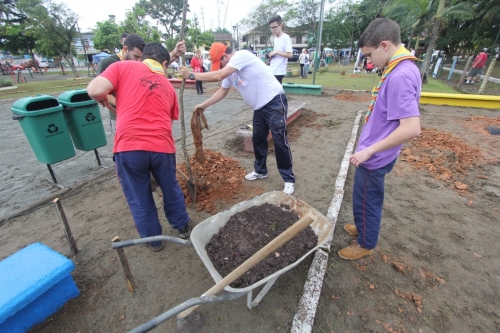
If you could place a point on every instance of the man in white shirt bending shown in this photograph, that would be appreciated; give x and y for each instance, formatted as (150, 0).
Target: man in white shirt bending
(282, 50)
(259, 89)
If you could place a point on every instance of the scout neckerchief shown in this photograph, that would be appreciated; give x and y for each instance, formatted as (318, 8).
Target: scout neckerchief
(401, 54)
(121, 55)
(154, 66)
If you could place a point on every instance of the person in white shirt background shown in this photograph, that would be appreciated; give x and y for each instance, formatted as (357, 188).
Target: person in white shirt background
(259, 89)
(282, 50)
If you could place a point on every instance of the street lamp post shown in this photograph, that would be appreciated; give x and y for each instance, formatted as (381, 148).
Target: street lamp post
(235, 29)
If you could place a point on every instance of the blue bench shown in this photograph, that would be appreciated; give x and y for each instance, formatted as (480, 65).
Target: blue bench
(35, 282)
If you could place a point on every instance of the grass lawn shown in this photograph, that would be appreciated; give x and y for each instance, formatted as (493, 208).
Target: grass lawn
(44, 87)
(331, 78)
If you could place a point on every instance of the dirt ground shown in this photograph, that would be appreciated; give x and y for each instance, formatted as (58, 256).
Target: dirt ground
(435, 269)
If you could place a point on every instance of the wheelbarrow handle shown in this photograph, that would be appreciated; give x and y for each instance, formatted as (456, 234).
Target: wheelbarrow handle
(147, 326)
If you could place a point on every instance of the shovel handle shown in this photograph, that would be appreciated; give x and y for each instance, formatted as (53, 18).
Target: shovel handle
(272, 246)
(182, 173)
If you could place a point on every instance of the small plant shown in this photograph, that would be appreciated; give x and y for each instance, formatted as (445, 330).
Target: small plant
(273, 226)
(5, 83)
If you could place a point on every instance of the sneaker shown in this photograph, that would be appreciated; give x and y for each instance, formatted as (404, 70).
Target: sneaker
(185, 232)
(289, 188)
(156, 248)
(354, 252)
(254, 175)
(351, 229)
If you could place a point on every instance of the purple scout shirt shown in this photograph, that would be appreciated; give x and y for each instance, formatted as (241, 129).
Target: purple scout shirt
(398, 99)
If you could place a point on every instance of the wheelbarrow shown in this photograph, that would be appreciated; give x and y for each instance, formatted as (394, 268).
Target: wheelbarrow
(202, 234)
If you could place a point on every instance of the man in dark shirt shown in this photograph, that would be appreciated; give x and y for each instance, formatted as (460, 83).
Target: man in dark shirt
(132, 50)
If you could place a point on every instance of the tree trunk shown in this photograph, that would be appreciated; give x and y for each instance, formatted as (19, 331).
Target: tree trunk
(432, 40)
(430, 48)
(72, 65)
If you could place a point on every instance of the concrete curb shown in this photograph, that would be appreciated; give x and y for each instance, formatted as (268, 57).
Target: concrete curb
(304, 318)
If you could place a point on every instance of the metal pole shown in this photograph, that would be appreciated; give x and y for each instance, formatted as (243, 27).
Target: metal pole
(67, 230)
(318, 42)
(83, 44)
(52, 173)
(97, 157)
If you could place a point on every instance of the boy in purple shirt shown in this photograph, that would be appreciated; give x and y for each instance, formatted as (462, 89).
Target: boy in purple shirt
(393, 119)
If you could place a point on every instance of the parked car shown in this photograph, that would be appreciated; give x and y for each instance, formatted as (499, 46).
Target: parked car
(48, 63)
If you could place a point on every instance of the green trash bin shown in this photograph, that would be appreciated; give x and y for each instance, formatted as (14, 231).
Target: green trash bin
(84, 119)
(43, 123)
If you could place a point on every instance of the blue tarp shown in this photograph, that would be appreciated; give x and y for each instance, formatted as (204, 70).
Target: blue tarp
(98, 57)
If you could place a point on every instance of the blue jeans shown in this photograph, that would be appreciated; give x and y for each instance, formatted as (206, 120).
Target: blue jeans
(134, 169)
(367, 203)
(272, 116)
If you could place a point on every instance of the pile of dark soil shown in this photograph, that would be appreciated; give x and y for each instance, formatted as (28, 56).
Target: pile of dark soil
(247, 232)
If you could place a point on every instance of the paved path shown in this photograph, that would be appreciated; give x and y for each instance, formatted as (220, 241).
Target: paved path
(24, 180)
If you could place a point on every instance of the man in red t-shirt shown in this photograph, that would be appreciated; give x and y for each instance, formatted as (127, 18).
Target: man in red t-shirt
(477, 67)
(144, 145)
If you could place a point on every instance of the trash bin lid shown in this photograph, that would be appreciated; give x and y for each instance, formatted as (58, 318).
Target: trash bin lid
(36, 105)
(75, 98)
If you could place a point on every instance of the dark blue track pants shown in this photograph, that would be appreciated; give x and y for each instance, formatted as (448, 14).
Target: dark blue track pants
(134, 169)
(367, 203)
(272, 116)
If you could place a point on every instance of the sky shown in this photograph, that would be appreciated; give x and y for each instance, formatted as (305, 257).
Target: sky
(92, 11)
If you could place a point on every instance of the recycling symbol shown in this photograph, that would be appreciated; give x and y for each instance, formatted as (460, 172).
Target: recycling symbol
(52, 128)
(90, 117)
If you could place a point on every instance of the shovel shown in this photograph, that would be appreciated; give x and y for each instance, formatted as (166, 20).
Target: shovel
(188, 322)
(190, 186)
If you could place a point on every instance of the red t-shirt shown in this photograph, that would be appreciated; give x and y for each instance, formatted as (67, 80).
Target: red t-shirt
(146, 105)
(480, 60)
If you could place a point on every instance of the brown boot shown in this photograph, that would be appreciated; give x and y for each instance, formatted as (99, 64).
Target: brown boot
(351, 229)
(354, 252)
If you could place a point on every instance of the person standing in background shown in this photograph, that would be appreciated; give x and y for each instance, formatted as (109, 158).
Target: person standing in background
(302, 60)
(197, 65)
(282, 50)
(477, 67)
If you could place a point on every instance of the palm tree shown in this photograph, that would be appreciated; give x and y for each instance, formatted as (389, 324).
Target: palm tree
(418, 13)
(411, 14)
(462, 10)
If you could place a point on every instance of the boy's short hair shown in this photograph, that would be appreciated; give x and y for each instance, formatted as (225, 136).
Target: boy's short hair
(275, 18)
(134, 40)
(156, 51)
(379, 30)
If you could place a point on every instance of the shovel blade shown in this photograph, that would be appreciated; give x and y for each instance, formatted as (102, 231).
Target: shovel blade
(191, 190)
(193, 323)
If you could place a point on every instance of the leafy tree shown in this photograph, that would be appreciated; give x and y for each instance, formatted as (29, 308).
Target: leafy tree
(11, 13)
(107, 36)
(257, 19)
(220, 30)
(54, 27)
(168, 14)
(136, 23)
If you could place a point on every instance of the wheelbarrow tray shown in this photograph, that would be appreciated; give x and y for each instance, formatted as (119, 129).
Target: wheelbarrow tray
(203, 232)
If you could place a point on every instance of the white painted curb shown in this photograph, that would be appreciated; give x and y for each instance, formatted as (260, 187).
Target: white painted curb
(304, 318)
